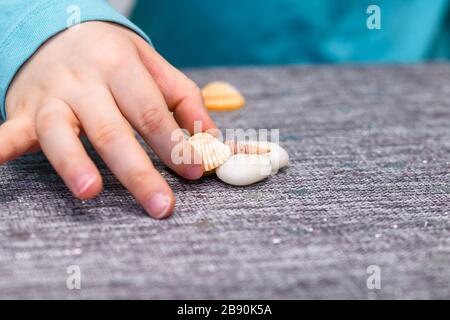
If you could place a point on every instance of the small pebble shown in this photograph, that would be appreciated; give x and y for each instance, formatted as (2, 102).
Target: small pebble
(276, 240)
(244, 169)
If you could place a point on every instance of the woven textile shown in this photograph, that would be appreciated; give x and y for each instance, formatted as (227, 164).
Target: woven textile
(368, 184)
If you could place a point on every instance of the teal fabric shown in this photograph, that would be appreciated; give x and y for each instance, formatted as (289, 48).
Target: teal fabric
(26, 24)
(236, 32)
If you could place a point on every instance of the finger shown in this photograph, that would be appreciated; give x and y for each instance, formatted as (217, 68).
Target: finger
(143, 105)
(114, 140)
(16, 138)
(182, 95)
(57, 130)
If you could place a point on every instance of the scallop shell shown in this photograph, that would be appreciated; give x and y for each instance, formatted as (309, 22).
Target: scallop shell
(246, 148)
(222, 96)
(214, 153)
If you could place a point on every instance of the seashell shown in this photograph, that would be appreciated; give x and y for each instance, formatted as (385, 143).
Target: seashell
(279, 157)
(213, 152)
(244, 169)
(246, 148)
(222, 96)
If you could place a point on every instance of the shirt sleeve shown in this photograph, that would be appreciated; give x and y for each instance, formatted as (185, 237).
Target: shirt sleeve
(27, 24)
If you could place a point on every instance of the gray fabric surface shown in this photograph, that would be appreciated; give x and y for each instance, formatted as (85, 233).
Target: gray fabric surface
(368, 184)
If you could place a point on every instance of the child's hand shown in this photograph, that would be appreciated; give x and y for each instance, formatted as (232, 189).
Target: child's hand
(100, 78)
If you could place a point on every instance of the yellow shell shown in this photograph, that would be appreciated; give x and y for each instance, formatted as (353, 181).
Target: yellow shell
(222, 96)
(243, 148)
(213, 152)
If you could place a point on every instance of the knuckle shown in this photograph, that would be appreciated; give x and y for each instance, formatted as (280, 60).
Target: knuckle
(151, 120)
(51, 112)
(194, 88)
(45, 120)
(111, 55)
(105, 135)
(30, 131)
(114, 60)
(18, 106)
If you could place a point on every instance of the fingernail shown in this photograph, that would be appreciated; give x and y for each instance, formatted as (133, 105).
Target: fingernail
(158, 205)
(83, 183)
(194, 172)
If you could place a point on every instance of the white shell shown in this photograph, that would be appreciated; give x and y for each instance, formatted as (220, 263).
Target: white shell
(245, 169)
(214, 153)
(245, 147)
(279, 157)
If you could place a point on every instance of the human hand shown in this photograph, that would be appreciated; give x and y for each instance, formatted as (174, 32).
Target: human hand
(102, 80)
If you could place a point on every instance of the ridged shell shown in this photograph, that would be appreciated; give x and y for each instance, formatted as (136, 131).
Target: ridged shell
(222, 96)
(245, 148)
(214, 153)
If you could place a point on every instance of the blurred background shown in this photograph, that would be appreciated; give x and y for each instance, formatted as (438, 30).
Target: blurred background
(124, 6)
(197, 33)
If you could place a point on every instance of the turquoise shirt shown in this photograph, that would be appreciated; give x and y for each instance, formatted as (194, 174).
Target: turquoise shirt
(241, 32)
(236, 32)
